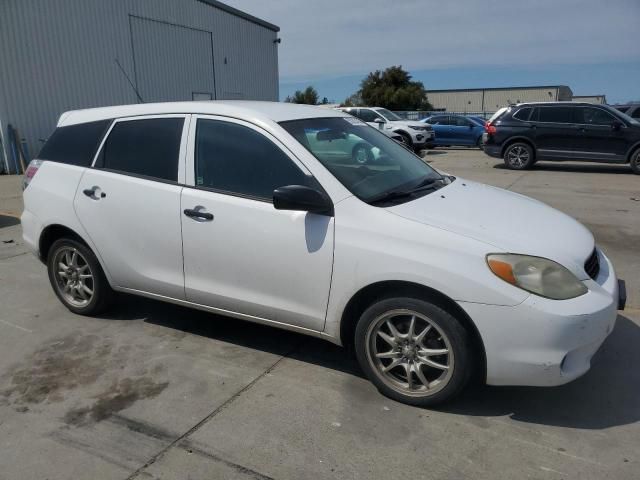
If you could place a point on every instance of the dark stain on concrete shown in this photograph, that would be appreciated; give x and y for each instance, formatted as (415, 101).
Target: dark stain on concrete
(122, 394)
(57, 366)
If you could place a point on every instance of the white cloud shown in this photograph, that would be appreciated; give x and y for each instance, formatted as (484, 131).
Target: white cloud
(329, 38)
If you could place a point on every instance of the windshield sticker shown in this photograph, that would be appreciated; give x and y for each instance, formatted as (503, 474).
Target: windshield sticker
(354, 121)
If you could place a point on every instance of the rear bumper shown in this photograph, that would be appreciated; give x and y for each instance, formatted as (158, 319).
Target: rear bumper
(544, 342)
(492, 150)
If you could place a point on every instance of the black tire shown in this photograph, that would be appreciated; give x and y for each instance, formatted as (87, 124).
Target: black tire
(446, 332)
(635, 162)
(406, 139)
(101, 292)
(519, 156)
(362, 154)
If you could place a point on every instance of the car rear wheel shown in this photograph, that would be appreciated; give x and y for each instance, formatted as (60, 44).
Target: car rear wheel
(77, 277)
(413, 351)
(635, 162)
(518, 156)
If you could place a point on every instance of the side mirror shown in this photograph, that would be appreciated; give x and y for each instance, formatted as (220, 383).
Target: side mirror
(304, 199)
(616, 125)
(380, 122)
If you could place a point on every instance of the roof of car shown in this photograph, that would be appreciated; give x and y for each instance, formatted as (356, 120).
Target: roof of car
(565, 103)
(252, 111)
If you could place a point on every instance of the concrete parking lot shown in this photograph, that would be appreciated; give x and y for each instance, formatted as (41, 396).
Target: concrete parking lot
(158, 391)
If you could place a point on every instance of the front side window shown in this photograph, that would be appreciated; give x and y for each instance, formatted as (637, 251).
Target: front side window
(388, 114)
(235, 159)
(593, 116)
(555, 114)
(367, 162)
(148, 147)
(461, 122)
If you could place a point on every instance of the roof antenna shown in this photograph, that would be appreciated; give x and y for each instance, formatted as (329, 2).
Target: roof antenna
(130, 82)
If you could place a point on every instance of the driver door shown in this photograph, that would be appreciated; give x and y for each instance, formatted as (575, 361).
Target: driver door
(242, 255)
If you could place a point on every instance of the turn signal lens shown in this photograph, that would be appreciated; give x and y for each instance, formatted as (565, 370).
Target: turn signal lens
(537, 275)
(503, 270)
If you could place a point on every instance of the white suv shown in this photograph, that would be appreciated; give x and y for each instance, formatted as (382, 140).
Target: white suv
(260, 211)
(416, 135)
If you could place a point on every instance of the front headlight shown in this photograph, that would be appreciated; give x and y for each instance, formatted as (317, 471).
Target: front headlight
(417, 128)
(536, 275)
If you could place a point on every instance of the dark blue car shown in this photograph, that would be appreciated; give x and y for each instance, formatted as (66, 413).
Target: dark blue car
(456, 130)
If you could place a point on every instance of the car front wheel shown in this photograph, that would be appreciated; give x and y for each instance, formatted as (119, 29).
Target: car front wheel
(518, 156)
(77, 277)
(413, 351)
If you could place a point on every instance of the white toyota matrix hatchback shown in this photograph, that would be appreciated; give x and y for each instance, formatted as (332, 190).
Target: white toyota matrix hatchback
(272, 213)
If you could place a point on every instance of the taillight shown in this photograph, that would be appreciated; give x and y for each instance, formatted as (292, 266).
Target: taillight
(32, 169)
(489, 128)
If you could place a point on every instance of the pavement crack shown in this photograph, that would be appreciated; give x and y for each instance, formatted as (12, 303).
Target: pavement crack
(520, 177)
(206, 419)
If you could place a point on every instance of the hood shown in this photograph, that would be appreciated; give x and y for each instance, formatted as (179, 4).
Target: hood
(507, 221)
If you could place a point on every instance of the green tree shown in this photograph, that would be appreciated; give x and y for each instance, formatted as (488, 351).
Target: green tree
(392, 89)
(308, 96)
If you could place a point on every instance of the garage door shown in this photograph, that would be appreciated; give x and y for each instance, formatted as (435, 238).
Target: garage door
(172, 62)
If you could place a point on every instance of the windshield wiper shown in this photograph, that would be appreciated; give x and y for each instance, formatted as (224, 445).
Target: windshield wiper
(426, 184)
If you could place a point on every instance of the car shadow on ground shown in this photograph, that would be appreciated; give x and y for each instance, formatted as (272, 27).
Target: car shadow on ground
(8, 221)
(575, 168)
(607, 396)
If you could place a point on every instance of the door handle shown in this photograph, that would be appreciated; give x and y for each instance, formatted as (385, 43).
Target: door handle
(93, 193)
(198, 214)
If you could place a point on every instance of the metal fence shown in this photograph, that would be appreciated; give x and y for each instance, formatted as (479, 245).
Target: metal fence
(419, 115)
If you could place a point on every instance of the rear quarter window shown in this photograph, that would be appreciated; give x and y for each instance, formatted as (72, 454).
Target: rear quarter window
(75, 144)
(523, 114)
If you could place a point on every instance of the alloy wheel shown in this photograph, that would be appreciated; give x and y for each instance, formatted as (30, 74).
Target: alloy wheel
(410, 353)
(518, 156)
(73, 277)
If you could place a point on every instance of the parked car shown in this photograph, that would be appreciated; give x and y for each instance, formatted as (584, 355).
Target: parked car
(525, 133)
(632, 110)
(240, 208)
(455, 130)
(416, 135)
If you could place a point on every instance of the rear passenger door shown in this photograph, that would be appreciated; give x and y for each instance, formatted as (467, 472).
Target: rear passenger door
(240, 253)
(555, 132)
(129, 203)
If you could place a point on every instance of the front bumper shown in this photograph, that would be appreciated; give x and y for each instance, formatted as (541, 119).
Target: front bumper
(422, 137)
(544, 342)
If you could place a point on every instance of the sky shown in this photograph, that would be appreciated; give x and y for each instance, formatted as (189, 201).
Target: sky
(593, 46)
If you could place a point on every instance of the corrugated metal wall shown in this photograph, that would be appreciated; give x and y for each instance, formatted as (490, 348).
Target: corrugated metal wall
(61, 55)
(490, 100)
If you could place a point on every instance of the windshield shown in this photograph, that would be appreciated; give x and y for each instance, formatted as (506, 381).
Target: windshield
(388, 114)
(498, 114)
(367, 162)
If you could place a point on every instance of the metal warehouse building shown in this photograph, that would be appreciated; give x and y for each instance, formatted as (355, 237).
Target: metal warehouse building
(479, 100)
(70, 54)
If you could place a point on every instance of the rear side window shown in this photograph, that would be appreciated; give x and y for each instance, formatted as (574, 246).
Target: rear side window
(75, 144)
(442, 120)
(149, 148)
(368, 115)
(555, 114)
(238, 160)
(636, 113)
(523, 114)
